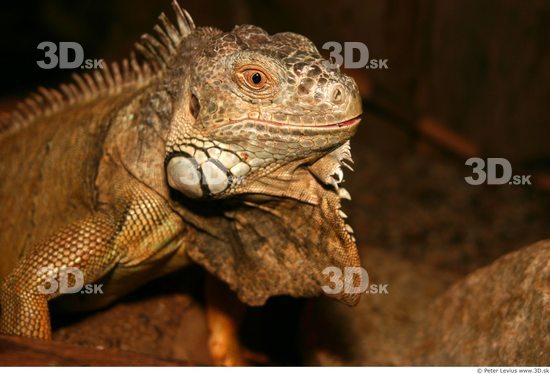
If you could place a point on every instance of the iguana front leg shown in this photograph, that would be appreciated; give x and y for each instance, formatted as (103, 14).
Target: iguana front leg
(139, 229)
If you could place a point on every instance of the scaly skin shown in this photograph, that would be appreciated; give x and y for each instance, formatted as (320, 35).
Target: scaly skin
(224, 149)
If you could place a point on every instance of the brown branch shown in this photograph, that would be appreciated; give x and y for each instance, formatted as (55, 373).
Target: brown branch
(16, 351)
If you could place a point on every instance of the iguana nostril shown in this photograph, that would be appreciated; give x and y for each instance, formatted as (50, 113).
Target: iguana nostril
(337, 95)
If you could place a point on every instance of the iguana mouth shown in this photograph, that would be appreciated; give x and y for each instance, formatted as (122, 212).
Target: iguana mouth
(348, 123)
(264, 122)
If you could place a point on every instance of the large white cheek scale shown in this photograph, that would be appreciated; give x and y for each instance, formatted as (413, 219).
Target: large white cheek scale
(183, 175)
(205, 173)
(215, 177)
(211, 178)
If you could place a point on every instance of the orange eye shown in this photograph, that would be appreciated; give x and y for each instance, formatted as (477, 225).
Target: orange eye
(255, 79)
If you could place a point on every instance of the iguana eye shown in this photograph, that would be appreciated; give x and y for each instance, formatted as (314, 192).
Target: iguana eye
(255, 79)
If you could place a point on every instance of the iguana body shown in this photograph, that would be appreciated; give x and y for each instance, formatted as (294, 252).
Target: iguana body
(223, 148)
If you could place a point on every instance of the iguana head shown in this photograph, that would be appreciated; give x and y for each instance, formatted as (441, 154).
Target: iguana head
(259, 132)
(250, 103)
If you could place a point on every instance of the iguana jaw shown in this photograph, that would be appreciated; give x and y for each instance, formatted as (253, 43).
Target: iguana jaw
(250, 150)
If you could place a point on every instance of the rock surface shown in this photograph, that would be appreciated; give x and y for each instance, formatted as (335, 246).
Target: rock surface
(498, 315)
(380, 330)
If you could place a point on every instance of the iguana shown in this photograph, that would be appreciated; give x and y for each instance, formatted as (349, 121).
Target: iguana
(220, 148)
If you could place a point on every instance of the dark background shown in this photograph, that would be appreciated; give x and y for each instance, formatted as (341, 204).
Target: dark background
(472, 73)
